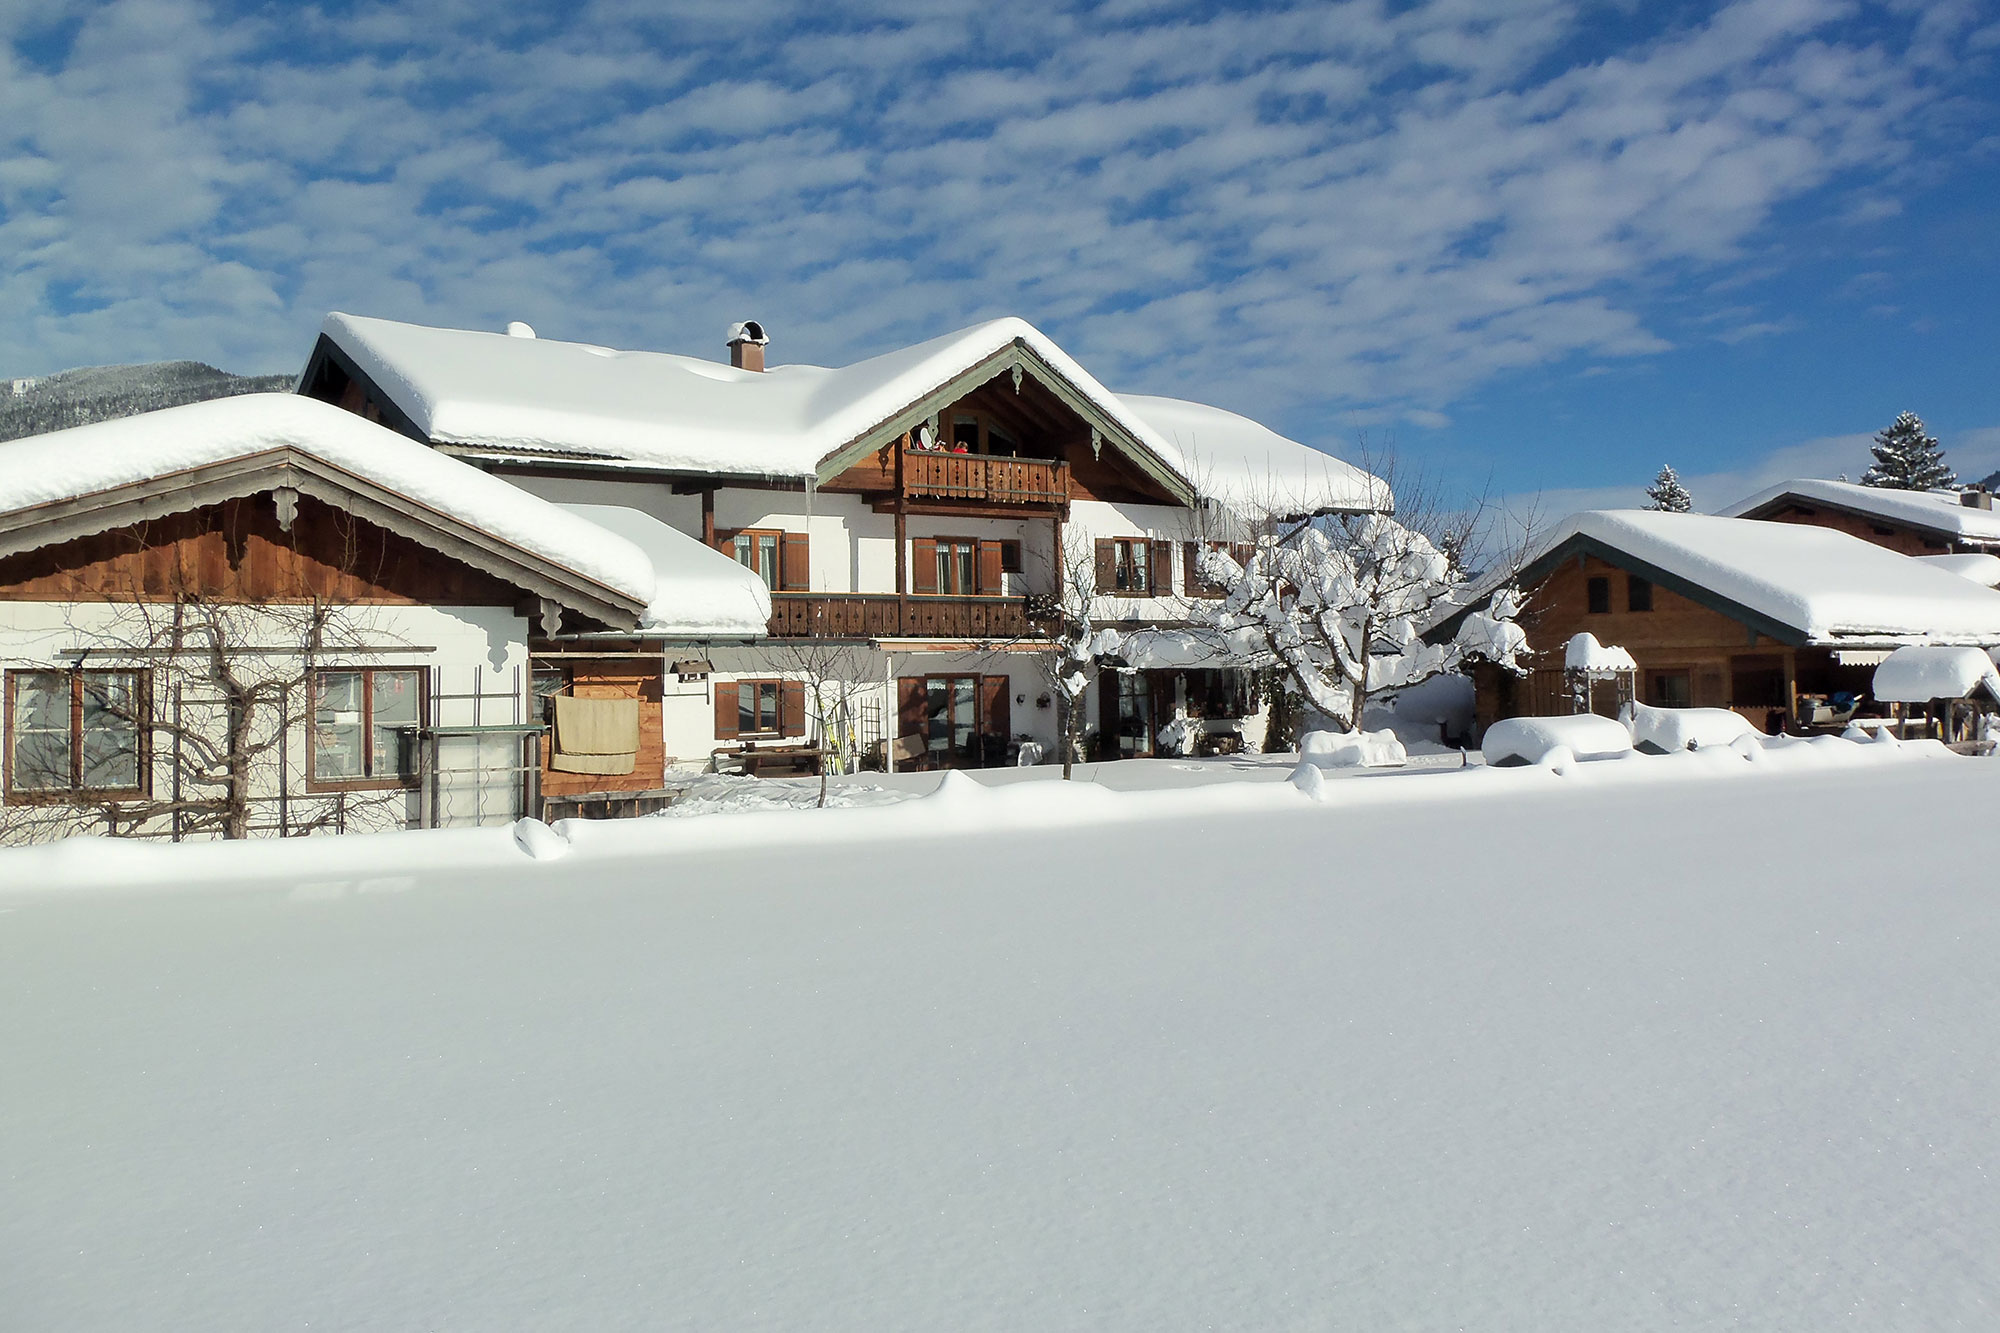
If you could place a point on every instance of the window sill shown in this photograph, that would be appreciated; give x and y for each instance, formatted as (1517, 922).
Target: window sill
(315, 787)
(78, 796)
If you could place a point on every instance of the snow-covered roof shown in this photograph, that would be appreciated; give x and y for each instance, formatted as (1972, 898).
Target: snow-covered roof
(1825, 586)
(1982, 567)
(1251, 467)
(1584, 653)
(1933, 511)
(699, 593)
(154, 447)
(1919, 673)
(679, 413)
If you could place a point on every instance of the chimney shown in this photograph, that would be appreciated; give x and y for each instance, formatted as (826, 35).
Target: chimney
(1975, 497)
(746, 345)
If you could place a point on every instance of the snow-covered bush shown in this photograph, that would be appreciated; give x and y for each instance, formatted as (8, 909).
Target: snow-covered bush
(1534, 740)
(1352, 749)
(1664, 730)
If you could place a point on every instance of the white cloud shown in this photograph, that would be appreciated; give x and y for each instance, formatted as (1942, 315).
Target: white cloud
(1333, 208)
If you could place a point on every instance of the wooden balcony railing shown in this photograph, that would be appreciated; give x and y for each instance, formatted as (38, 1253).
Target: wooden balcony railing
(875, 616)
(929, 475)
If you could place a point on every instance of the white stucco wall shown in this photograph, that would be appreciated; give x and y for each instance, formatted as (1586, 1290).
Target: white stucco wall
(465, 650)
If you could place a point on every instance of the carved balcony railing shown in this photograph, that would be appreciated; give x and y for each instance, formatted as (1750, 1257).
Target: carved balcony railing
(877, 616)
(977, 478)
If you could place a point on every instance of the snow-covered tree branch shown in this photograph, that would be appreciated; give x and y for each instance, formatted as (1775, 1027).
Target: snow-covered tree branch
(1339, 602)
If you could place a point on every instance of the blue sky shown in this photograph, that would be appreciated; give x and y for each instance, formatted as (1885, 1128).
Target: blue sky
(1536, 246)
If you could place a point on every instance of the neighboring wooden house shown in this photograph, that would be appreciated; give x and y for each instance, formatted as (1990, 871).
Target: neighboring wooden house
(913, 506)
(1912, 522)
(266, 581)
(1770, 619)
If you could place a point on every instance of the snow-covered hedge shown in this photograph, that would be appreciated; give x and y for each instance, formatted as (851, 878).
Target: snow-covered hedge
(1664, 730)
(1538, 740)
(1352, 749)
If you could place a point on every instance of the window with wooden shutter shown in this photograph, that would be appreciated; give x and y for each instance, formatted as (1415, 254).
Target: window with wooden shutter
(795, 566)
(910, 715)
(725, 712)
(924, 565)
(1160, 570)
(996, 710)
(792, 698)
(989, 569)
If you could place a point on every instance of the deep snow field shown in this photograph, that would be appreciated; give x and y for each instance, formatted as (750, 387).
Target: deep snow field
(1656, 1043)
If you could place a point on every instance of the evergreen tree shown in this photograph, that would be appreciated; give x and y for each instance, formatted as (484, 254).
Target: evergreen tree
(1667, 493)
(1906, 459)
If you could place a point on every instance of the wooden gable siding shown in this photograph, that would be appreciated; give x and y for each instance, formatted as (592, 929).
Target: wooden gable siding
(1679, 635)
(617, 678)
(236, 552)
(1046, 428)
(1882, 532)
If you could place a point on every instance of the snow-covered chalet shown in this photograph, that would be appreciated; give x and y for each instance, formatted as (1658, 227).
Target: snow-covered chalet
(910, 507)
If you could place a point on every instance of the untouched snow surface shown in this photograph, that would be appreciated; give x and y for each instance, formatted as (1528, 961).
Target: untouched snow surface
(1220, 1057)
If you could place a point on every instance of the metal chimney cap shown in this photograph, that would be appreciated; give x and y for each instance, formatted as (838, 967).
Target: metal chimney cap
(747, 331)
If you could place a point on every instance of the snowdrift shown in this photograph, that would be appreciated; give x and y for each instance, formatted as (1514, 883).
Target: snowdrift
(1664, 730)
(1352, 749)
(1544, 740)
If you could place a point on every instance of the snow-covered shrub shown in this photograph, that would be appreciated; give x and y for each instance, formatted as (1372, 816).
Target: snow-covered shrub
(1352, 749)
(1664, 730)
(1534, 740)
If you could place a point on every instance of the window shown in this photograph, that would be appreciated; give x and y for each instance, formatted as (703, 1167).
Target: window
(965, 435)
(358, 716)
(951, 719)
(758, 552)
(957, 567)
(1670, 689)
(757, 707)
(1132, 574)
(1597, 596)
(1638, 593)
(1133, 727)
(1010, 557)
(72, 732)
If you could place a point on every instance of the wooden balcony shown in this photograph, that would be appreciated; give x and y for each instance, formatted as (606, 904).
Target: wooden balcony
(875, 616)
(979, 479)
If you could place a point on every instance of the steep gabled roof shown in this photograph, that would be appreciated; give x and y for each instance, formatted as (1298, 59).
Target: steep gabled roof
(93, 478)
(1938, 512)
(539, 397)
(1793, 582)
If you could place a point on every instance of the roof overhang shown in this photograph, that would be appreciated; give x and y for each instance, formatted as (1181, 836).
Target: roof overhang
(269, 470)
(1015, 354)
(1579, 545)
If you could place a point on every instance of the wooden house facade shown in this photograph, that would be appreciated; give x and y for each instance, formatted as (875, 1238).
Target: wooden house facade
(924, 509)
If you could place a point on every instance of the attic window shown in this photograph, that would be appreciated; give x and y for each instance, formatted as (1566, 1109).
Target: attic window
(1638, 593)
(1597, 596)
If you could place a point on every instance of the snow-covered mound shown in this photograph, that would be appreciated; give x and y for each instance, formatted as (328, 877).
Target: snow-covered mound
(1633, 1051)
(1352, 749)
(1664, 730)
(1536, 740)
(1919, 673)
(1584, 653)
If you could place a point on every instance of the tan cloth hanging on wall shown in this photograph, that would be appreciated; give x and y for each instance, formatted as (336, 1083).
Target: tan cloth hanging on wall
(596, 736)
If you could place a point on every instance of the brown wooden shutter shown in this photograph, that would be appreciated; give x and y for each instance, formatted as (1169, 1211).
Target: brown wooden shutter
(923, 565)
(725, 541)
(1107, 716)
(996, 711)
(792, 708)
(1010, 557)
(794, 562)
(1190, 556)
(725, 712)
(1160, 569)
(1107, 566)
(1160, 684)
(910, 719)
(989, 569)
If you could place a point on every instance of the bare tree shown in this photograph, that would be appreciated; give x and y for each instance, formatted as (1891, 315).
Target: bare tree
(835, 675)
(1338, 602)
(181, 708)
(1071, 649)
